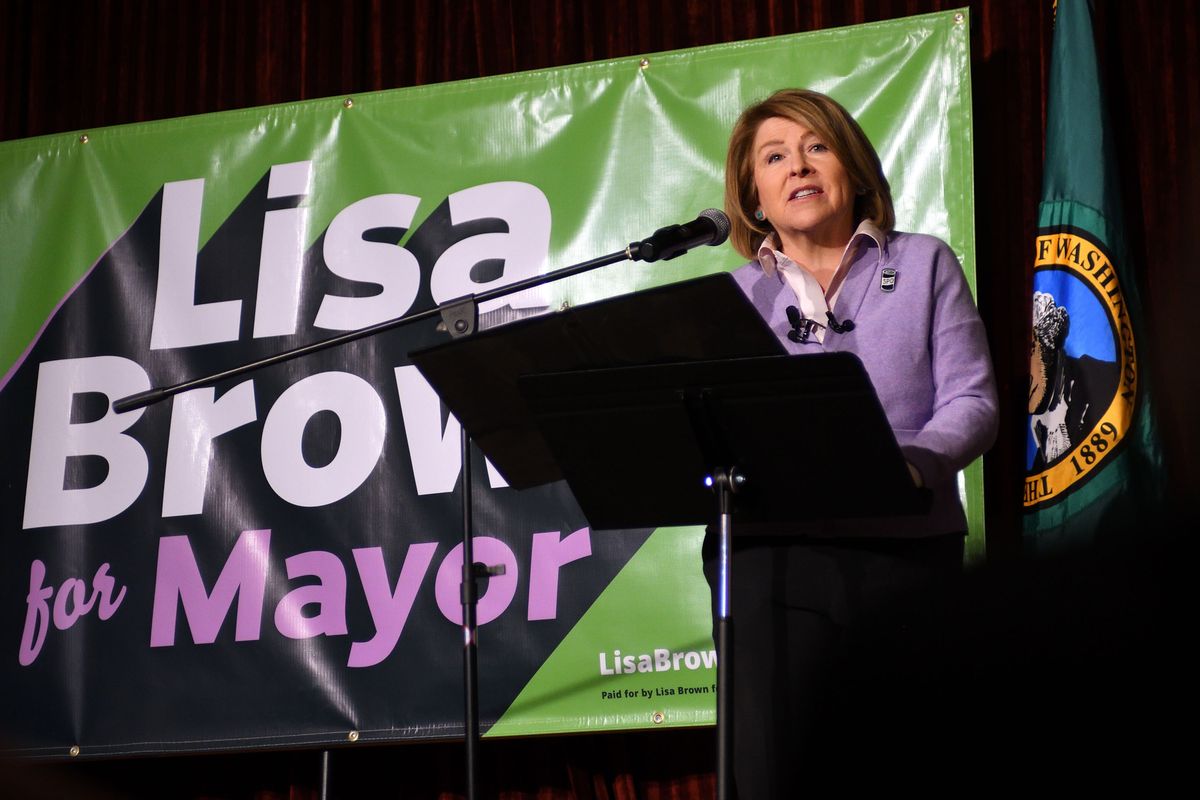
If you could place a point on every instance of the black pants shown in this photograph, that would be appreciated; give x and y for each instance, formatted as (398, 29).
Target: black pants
(795, 603)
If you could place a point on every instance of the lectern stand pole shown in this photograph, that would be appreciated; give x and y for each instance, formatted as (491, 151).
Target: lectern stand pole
(725, 483)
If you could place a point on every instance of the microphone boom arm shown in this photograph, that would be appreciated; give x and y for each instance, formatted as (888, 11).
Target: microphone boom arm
(450, 310)
(461, 314)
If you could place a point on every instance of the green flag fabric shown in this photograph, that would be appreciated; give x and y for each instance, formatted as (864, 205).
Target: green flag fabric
(1092, 459)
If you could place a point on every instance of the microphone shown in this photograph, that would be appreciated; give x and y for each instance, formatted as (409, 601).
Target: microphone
(801, 327)
(845, 327)
(711, 227)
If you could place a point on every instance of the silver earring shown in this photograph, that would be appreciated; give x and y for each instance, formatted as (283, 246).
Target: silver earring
(759, 215)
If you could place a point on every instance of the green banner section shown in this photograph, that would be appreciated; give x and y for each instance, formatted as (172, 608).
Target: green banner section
(541, 170)
(625, 665)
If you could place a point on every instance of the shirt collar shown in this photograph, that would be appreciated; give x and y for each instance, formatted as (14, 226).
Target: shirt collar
(769, 254)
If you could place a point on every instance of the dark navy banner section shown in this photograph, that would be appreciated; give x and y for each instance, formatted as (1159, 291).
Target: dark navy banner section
(276, 560)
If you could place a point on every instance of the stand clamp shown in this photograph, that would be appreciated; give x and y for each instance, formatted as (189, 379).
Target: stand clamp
(469, 590)
(460, 317)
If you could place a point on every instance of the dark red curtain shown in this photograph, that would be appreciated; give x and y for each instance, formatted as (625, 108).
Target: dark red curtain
(77, 65)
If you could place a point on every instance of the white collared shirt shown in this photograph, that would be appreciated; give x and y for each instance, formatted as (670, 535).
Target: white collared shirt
(812, 301)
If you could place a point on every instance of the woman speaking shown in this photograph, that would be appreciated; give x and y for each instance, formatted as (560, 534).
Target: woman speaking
(810, 206)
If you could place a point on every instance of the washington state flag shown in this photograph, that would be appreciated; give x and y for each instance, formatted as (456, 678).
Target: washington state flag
(1093, 465)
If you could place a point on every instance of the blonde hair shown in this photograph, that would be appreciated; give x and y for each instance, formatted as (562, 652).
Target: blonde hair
(836, 128)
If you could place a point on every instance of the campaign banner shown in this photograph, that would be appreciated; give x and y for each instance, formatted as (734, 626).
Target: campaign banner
(275, 561)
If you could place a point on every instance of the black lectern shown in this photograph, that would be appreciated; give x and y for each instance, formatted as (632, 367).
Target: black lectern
(648, 404)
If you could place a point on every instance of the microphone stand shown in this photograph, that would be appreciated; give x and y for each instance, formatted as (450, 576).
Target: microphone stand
(460, 318)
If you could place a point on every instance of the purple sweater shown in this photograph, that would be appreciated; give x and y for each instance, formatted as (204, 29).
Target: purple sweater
(923, 346)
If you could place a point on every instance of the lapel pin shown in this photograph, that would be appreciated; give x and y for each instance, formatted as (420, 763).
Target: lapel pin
(888, 282)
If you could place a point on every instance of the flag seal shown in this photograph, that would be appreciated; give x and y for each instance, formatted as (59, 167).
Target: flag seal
(1083, 372)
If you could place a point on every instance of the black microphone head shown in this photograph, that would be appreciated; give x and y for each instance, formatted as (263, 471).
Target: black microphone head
(793, 315)
(711, 227)
(718, 218)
